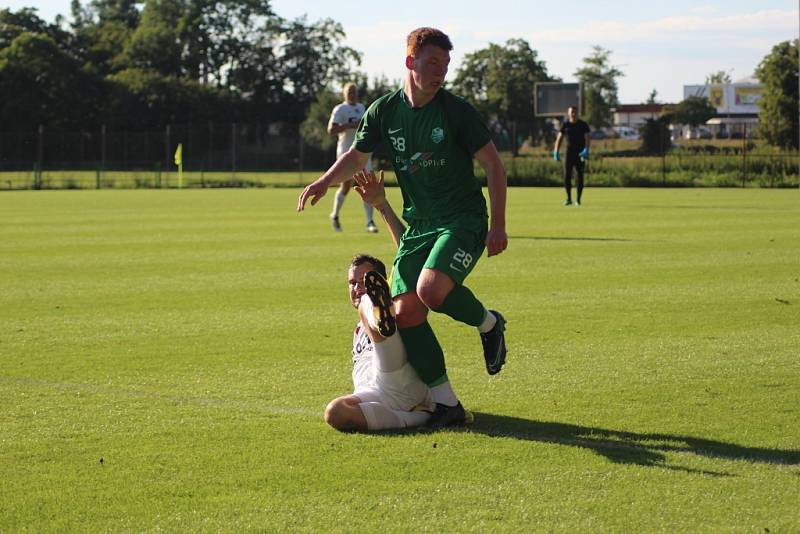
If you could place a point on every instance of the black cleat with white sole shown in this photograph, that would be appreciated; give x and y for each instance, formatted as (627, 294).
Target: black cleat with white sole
(378, 292)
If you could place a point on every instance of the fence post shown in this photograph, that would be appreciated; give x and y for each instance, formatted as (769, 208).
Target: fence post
(37, 177)
(302, 154)
(233, 151)
(102, 153)
(210, 152)
(663, 154)
(167, 147)
(744, 155)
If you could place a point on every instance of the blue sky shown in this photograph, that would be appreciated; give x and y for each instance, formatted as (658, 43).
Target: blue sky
(658, 45)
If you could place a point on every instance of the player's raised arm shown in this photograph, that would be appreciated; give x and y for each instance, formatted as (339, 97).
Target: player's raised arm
(344, 167)
(371, 190)
(489, 159)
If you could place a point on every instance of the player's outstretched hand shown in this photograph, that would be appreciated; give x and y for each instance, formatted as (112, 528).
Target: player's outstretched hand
(370, 187)
(496, 241)
(315, 191)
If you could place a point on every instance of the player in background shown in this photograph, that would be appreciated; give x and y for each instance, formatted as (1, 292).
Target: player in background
(431, 137)
(343, 123)
(578, 140)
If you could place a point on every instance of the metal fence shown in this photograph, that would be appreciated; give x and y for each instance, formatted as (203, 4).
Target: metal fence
(240, 154)
(208, 147)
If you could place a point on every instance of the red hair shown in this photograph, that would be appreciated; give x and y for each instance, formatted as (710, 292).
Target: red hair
(427, 36)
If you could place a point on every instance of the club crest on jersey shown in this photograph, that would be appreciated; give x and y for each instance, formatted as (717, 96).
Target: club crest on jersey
(437, 135)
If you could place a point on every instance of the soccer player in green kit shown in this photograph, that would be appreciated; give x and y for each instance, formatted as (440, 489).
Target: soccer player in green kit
(432, 137)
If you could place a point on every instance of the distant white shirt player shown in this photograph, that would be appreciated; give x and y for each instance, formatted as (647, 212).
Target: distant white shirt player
(343, 122)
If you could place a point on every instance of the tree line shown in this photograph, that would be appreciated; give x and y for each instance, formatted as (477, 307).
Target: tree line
(173, 61)
(129, 64)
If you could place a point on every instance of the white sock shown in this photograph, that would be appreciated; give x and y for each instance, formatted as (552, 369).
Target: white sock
(369, 311)
(368, 211)
(489, 320)
(338, 200)
(444, 394)
(367, 306)
(391, 353)
(380, 417)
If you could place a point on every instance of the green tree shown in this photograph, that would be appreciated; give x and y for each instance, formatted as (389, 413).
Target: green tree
(42, 84)
(219, 38)
(371, 90)
(12, 24)
(144, 98)
(123, 11)
(101, 30)
(499, 81)
(599, 80)
(315, 126)
(656, 135)
(155, 44)
(694, 110)
(312, 57)
(173, 60)
(652, 97)
(778, 71)
(718, 77)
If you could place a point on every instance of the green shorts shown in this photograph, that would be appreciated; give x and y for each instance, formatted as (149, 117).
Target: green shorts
(452, 247)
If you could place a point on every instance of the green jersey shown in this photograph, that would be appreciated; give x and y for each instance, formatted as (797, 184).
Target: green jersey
(431, 150)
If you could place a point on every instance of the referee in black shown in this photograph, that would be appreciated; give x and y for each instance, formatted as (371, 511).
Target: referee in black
(578, 141)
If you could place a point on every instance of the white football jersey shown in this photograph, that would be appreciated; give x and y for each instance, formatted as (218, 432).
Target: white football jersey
(399, 390)
(345, 113)
(363, 351)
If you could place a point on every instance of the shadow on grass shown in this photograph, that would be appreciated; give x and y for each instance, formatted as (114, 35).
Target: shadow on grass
(546, 238)
(626, 447)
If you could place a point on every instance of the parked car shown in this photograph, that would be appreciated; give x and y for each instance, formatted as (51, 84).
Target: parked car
(598, 134)
(626, 132)
(698, 133)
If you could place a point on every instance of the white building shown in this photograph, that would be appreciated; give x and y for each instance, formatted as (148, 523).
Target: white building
(736, 103)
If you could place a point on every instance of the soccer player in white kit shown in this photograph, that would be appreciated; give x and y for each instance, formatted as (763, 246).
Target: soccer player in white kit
(387, 393)
(343, 122)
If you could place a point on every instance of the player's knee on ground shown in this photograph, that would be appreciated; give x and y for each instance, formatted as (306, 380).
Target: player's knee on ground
(340, 415)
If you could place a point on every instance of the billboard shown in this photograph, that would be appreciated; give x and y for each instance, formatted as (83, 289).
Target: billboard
(729, 97)
(551, 99)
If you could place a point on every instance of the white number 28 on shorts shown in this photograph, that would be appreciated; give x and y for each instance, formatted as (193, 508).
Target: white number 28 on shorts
(461, 257)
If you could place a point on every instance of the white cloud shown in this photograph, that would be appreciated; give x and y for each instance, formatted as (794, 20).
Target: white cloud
(765, 23)
(704, 10)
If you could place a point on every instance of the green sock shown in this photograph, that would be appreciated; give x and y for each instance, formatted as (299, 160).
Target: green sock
(462, 305)
(424, 353)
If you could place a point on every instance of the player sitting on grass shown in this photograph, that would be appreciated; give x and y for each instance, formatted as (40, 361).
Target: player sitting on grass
(387, 394)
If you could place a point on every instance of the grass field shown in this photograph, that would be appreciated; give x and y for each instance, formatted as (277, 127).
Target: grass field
(165, 357)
